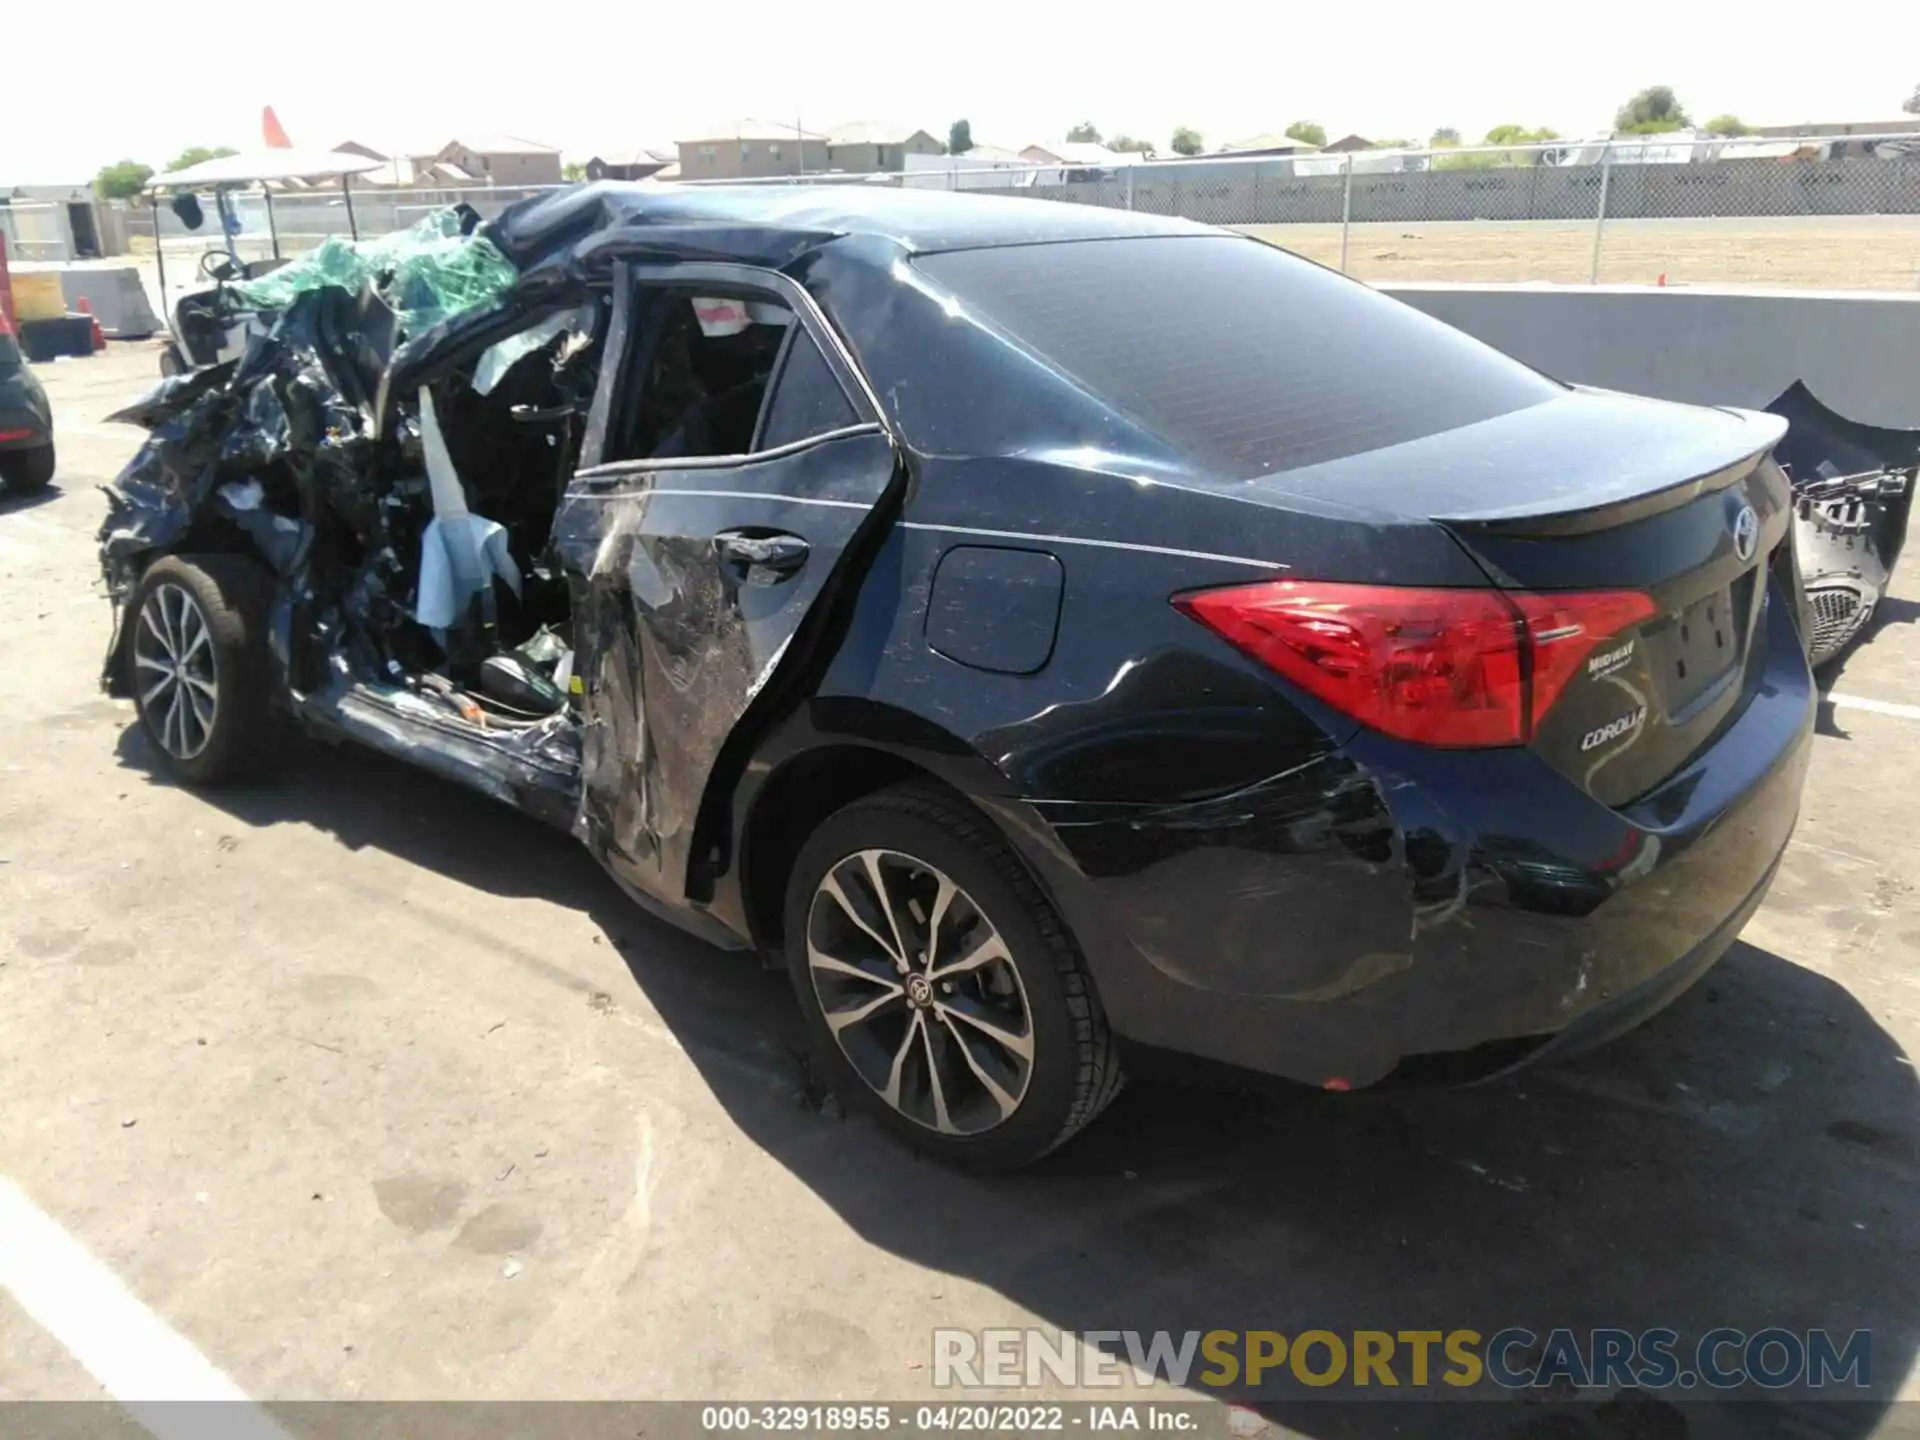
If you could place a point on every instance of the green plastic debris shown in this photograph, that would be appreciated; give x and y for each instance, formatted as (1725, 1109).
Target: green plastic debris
(426, 273)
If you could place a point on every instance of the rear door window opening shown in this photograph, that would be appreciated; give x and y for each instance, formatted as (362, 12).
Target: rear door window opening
(722, 372)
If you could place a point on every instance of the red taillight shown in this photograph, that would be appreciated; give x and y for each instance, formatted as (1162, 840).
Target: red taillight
(16, 434)
(1465, 669)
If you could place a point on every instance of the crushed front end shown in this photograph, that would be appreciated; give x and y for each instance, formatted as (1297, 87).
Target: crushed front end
(309, 454)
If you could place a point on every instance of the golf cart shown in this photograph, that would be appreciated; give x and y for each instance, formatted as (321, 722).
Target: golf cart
(208, 322)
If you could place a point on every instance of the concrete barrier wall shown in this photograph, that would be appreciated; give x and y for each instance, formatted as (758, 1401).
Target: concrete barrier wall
(1858, 352)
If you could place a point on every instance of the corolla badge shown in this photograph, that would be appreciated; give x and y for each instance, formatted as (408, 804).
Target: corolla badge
(1746, 532)
(1613, 729)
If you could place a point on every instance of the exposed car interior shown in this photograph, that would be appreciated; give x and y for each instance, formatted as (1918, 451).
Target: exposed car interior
(707, 364)
(477, 615)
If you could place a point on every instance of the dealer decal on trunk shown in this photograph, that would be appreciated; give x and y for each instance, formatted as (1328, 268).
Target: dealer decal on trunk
(1609, 662)
(1613, 729)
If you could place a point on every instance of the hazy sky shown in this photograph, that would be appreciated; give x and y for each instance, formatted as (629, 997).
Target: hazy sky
(92, 81)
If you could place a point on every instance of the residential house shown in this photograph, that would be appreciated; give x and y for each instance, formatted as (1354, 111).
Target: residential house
(866, 146)
(499, 160)
(748, 149)
(1266, 144)
(984, 167)
(1061, 162)
(642, 164)
(404, 172)
(1348, 142)
(1080, 154)
(989, 155)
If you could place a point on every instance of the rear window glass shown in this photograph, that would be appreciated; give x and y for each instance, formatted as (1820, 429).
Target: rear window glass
(1247, 358)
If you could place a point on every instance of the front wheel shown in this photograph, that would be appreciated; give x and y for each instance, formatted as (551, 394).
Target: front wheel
(940, 986)
(197, 664)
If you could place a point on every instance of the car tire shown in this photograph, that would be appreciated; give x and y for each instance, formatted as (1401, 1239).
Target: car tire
(172, 362)
(197, 665)
(918, 1046)
(24, 471)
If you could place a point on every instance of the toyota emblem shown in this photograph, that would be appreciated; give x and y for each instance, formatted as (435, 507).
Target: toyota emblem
(1746, 532)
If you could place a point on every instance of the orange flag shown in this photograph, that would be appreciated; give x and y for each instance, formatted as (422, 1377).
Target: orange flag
(271, 132)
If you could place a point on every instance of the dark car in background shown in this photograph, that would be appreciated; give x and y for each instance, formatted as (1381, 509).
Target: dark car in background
(26, 422)
(1060, 634)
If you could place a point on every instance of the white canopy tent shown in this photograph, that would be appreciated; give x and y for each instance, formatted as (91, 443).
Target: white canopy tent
(264, 168)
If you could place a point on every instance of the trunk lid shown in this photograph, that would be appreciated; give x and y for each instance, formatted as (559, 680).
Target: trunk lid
(1608, 492)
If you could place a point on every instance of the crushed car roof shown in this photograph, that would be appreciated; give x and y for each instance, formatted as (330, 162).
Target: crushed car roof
(765, 222)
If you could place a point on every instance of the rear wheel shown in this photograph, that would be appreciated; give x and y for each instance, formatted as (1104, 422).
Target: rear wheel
(197, 665)
(172, 362)
(22, 471)
(941, 988)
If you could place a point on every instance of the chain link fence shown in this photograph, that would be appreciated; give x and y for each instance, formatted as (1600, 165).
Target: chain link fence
(1813, 211)
(1796, 211)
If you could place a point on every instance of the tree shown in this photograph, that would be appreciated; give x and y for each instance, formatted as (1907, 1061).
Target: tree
(1187, 141)
(1653, 111)
(1128, 142)
(959, 137)
(122, 181)
(1307, 132)
(1728, 125)
(194, 154)
(1912, 105)
(573, 170)
(1086, 133)
(1515, 135)
(1445, 135)
(1390, 144)
(1520, 135)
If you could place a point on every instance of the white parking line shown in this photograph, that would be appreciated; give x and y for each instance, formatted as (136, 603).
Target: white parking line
(1877, 707)
(135, 1356)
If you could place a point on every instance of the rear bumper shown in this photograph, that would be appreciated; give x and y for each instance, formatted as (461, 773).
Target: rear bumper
(12, 418)
(1390, 909)
(1617, 1016)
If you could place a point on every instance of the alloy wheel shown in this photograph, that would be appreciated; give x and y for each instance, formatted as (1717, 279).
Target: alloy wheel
(175, 672)
(920, 991)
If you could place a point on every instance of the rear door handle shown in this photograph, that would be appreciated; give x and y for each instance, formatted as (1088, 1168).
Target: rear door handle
(760, 559)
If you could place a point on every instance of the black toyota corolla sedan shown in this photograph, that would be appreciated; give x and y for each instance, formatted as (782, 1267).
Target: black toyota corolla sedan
(1062, 635)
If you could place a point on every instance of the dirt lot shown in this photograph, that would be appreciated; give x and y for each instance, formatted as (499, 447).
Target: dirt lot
(1865, 252)
(355, 1085)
